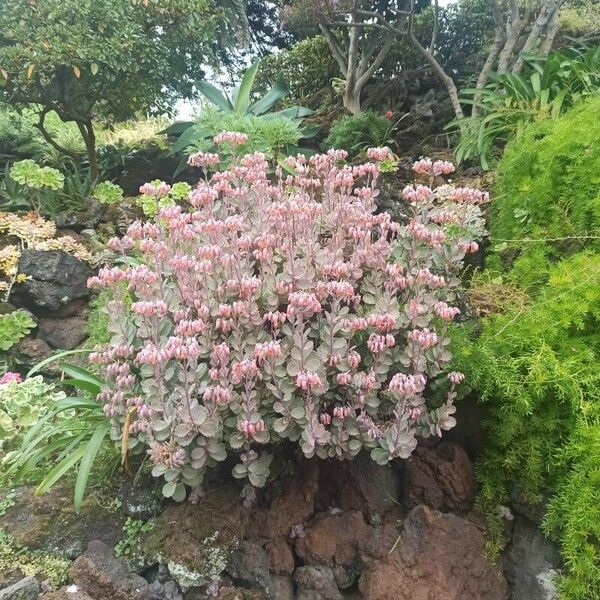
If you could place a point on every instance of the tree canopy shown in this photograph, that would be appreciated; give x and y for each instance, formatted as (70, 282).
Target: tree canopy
(91, 60)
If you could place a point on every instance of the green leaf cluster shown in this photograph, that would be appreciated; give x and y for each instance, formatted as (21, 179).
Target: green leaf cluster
(548, 191)
(14, 326)
(511, 101)
(21, 406)
(356, 133)
(71, 434)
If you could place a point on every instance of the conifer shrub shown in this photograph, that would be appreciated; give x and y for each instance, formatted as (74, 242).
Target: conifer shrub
(285, 309)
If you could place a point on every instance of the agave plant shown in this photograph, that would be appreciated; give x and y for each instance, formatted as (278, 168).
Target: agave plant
(69, 436)
(240, 104)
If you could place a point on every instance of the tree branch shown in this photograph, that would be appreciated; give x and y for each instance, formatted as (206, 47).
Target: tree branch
(383, 52)
(492, 55)
(434, 33)
(334, 46)
(543, 19)
(40, 125)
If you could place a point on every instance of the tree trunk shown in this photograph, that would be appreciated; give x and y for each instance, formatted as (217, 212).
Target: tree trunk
(351, 100)
(89, 137)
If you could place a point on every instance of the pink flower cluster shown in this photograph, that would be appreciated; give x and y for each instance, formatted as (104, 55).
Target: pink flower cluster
(10, 377)
(230, 137)
(426, 166)
(284, 307)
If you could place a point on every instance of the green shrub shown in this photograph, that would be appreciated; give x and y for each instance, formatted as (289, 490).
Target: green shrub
(511, 101)
(309, 68)
(14, 326)
(356, 133)
(548, 188)
(536, 363)
(274, 136)
(22, 405)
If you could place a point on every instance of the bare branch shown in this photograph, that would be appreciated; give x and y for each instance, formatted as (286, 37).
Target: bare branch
(40, 125)
(335, 48)
(434, 33)
(383, 52)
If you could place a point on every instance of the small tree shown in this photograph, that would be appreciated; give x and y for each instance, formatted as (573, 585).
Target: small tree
(91, 60)
(358, 49)
(520, 29)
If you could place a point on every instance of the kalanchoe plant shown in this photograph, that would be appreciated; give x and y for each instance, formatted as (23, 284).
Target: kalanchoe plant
(285, 309)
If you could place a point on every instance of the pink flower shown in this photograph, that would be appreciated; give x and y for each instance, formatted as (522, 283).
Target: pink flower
(307, 380)
(230, 137)
(380, 154)
(203, 159)
(389, 114)
(10, 377)
(455, 377)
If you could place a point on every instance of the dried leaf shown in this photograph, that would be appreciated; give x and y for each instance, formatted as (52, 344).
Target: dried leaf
(77, 72)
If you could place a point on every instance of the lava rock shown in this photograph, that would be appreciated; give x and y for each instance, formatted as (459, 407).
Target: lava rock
(68, 592)
(281, 558)
(87, 218)
(437, 556)
(282, 588)
(66, 334)
(143, 500)
(32, 351)
(316, 583)
(440, 475)
(56, 278)
(333, 538)
(27, 588)
(105, 577)
(531, 563)
(50, 523)
(249, 566)
(359, 484)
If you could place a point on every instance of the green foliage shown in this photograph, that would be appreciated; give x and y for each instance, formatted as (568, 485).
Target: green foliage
(308, 67)
(548, 188)
(18, 136)
(22, 405)
(537, 368)
(108, 192)
(44, 565)
(356, 133)
(14, 326)
(536, 363)
(271, 132)
(103, 60)
(511, 101)
(273, 136)
(130, 547)
(28, 173)
(71, 434)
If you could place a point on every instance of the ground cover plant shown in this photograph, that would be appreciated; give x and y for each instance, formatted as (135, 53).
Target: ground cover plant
(285, 309)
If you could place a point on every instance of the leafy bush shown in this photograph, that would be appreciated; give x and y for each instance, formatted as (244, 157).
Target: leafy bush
(548, 190)
(538, 371)
(276, 137)
(22, 405)
(308, 67)
(18, 137)
(281, 310)
(270, 131)
(356, 133)
(536, 363)
(511, 101)
(70, 433)
(14, 326)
